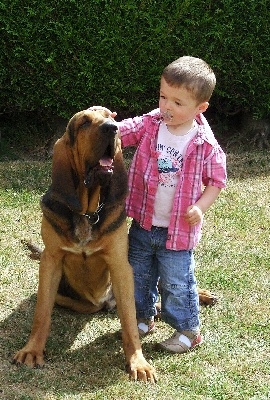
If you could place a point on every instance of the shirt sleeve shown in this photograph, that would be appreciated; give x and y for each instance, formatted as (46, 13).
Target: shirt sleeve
(132, 129)
(214, 172)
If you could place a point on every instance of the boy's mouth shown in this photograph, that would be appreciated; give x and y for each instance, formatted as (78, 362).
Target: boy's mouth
(167, 115)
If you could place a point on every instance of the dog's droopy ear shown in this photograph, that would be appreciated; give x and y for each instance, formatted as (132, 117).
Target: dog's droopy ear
(63, 187)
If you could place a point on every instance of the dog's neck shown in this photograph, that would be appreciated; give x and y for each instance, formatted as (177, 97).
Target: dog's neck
(94, 200)
(92, 205)
(89, 198)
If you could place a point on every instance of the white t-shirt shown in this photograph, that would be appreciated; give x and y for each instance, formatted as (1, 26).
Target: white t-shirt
(171, 150)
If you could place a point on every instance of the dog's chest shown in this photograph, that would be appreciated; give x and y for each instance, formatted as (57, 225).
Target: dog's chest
(79, 249)
(83, 230)
(82, 237)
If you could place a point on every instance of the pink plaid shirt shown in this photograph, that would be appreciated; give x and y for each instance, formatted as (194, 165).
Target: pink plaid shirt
(204, 163)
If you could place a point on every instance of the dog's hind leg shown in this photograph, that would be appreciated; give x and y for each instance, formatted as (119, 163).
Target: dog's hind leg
(206, 298)
(81, 306)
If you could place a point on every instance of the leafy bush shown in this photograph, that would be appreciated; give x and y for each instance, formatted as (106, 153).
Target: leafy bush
(60, 56)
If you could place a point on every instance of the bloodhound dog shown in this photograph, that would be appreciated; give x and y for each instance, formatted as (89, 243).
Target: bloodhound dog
(84, 264)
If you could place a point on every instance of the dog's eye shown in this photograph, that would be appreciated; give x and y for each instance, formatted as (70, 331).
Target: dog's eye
(86, 123)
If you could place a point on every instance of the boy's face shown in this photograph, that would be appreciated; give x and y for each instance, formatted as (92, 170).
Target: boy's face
(179, 106)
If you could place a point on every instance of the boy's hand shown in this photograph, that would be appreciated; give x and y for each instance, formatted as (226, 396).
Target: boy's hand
(193, 215)
(96, 108)
(195, 212)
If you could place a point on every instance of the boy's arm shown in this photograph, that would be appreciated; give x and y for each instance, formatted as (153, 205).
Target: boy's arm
(208, 197)
(195, 212)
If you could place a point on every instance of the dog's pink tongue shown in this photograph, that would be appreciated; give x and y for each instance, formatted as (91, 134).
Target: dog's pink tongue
(105, 162)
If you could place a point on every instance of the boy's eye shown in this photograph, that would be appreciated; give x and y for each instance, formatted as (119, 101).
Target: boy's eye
(162, 97)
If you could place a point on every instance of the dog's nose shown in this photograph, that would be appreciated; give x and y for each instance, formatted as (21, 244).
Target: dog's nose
(108, 128)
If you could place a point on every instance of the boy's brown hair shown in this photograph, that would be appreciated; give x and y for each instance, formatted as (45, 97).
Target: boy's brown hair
(192, 73)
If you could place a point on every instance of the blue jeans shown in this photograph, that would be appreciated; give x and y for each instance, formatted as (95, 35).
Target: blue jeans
(151, 261)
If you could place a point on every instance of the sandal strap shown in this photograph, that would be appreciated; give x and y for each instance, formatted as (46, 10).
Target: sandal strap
(191, 335)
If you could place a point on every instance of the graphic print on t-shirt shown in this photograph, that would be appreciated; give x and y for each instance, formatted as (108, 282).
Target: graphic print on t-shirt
(170, 162)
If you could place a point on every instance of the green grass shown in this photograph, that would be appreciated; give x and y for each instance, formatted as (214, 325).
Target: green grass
(84, 357)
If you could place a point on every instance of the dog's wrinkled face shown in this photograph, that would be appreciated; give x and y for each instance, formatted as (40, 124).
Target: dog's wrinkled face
(94, 141)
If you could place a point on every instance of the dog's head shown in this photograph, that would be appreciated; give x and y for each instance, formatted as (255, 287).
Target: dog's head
(87, 156)
(94, 140)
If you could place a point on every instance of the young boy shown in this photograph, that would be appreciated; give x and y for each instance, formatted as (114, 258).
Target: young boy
(176, 154)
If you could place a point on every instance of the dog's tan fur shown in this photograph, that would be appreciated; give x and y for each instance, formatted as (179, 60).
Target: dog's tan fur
(85, 236)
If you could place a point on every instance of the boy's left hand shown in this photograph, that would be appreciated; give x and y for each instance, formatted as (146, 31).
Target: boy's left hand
(193, 215)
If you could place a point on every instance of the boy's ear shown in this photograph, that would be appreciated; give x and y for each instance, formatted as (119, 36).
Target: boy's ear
(203, 106)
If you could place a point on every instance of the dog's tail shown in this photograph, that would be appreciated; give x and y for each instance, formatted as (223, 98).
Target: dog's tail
(35, 250)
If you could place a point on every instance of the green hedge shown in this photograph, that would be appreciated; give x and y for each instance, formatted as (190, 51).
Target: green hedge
(61, 56)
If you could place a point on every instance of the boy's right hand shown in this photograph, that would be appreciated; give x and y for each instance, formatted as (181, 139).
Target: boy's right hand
(96, 108)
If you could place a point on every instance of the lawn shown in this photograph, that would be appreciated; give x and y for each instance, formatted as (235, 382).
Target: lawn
(84, 356)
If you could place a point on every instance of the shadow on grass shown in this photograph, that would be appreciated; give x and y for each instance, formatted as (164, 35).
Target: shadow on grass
(79, 355)
(242, 165)
(25, 175)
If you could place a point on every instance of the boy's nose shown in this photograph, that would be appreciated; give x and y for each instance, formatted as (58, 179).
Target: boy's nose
(168, 105)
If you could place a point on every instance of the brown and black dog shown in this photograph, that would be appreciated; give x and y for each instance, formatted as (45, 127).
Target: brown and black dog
(84, 265)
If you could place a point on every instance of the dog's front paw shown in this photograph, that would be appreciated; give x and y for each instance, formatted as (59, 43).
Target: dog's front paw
(140, 370)
(30, 358)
